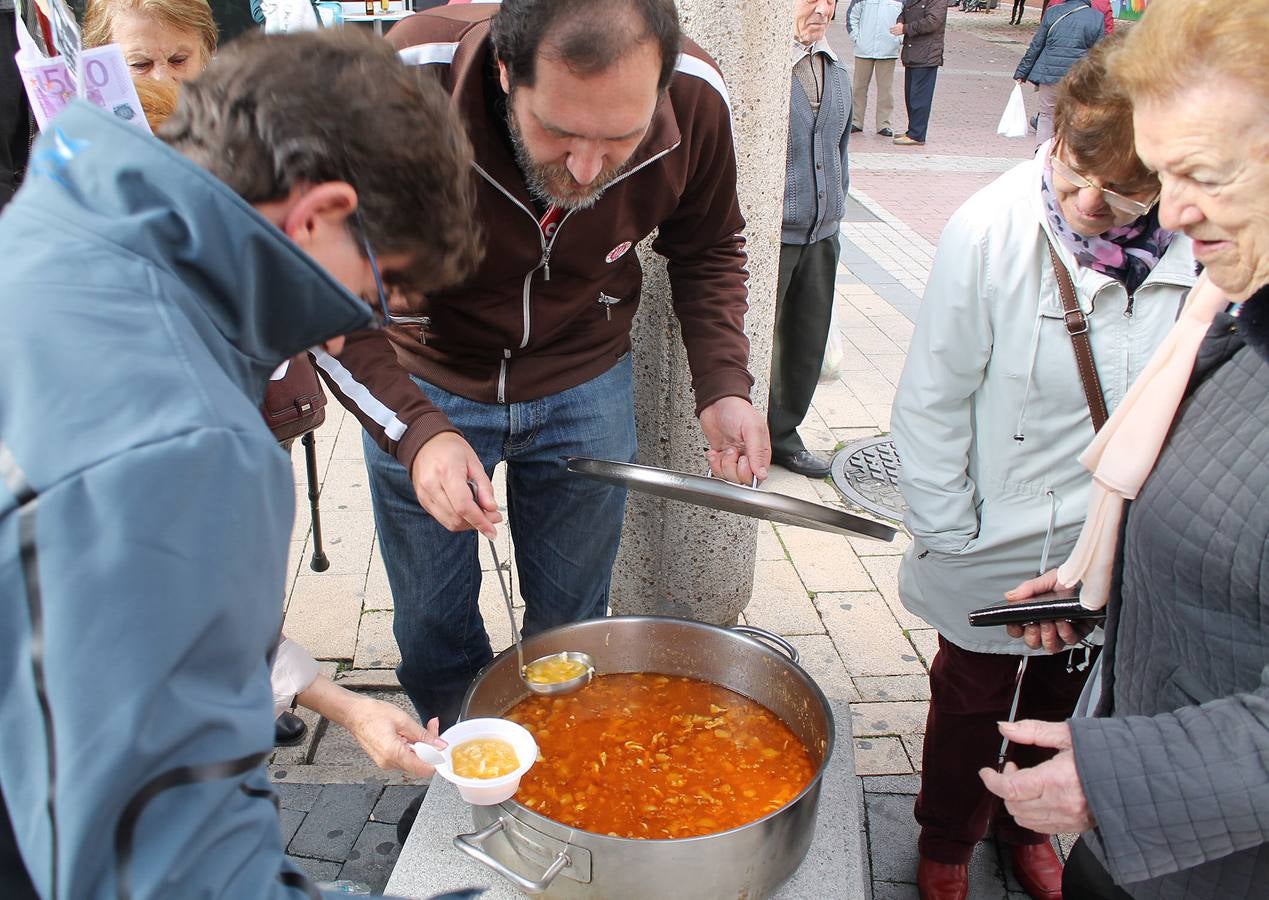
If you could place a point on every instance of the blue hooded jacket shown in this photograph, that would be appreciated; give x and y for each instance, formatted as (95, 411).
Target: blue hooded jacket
(145, 515)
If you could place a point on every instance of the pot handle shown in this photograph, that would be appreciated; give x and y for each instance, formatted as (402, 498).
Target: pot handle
(471, 845)
(767, 637)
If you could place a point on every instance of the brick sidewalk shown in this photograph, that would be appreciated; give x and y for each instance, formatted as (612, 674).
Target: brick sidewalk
(835, 598)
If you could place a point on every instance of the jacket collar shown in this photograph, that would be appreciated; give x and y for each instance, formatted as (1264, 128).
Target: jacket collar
(492, 155)
(251, 294)
(798, 50)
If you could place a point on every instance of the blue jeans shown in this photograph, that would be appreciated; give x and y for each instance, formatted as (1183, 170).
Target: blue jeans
(565, 527)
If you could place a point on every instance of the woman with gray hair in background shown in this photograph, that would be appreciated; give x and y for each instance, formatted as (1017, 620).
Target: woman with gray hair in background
(1168, 779)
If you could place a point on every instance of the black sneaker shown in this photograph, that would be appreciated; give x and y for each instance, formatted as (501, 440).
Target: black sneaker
(886, 132)
(855, 129)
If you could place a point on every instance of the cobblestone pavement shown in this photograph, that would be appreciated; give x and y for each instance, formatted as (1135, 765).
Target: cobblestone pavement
(834, 597)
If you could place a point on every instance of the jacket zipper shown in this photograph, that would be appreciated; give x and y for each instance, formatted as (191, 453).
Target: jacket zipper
(502, 375)
(423, 323)
(545, 263)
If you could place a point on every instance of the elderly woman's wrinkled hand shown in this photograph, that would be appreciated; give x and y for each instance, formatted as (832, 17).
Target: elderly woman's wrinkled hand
(1054, 635)
(1047, 798)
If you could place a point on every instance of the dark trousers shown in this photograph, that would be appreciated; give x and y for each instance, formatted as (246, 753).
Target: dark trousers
(15, 120)
(1085, 878)
(804, 309)
(969, 693)
(918, 94)
(1019, 6)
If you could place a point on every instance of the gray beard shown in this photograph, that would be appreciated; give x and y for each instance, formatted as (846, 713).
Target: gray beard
(537, 177)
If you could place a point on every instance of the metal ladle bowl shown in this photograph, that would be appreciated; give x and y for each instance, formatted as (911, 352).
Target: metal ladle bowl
(555, 688)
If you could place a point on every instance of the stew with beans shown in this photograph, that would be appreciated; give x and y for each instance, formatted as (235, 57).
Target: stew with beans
(658, 756)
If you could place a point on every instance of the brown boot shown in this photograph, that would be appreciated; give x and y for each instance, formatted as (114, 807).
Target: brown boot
(1038, 870)
(942, 881)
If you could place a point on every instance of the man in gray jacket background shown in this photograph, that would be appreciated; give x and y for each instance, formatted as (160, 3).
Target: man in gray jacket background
(816, 182)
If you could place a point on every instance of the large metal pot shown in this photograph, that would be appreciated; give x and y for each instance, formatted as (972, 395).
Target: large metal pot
(542, 856)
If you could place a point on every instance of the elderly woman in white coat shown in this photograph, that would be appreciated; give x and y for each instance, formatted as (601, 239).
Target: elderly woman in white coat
(989, 419)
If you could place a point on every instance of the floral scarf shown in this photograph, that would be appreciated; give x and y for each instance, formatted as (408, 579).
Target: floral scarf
(1126, 253)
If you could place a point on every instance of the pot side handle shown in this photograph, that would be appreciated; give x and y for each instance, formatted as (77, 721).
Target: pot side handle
(471, 845)
(767, 637)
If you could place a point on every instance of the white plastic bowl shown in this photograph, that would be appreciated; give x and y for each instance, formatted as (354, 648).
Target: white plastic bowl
(489, 791)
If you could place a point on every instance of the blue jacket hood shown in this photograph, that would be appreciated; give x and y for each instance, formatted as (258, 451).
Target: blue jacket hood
(255, 296)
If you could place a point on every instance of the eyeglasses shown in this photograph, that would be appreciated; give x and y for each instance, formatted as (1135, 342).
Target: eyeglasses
(384, 317)
(1115, 201)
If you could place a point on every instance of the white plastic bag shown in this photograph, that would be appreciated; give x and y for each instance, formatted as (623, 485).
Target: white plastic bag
(1014, 122)
(833, 352)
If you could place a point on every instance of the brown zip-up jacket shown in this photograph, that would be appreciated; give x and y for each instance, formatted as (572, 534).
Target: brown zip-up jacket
(540, 316)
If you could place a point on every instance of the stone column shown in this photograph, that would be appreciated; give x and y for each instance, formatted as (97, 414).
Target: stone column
(677, 559)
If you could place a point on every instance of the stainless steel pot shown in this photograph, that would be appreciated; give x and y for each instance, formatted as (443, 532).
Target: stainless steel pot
(541, 856)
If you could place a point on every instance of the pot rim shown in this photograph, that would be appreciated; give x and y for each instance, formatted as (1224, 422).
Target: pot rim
(535, 820)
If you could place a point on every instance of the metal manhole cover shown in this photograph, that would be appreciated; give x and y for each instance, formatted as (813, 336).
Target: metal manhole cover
(867, 474)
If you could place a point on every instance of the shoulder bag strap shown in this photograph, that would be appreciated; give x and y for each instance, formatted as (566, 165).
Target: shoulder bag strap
(1077, 328)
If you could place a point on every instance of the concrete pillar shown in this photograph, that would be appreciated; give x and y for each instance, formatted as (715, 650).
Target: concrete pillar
(676, 559)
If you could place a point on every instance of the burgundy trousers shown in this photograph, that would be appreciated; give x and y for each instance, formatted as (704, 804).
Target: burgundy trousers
(969, 693)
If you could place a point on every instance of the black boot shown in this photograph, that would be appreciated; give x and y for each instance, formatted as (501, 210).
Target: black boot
(288, 730)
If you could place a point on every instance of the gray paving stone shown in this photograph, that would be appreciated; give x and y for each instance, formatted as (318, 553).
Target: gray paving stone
(892, 784)
(393, 801)
(371, 859)
(892, 837)
(376, 645)
(299, 797)
(316, 869)
(881, 756)
(884, 571)
(900, 718)
(369, 680)
(873, 688)
(290, 820)
(866, 632)
(324, 611)
(331, 828)
(825, 562)
(780, 602)
(914, 744)
(890, 890)
(822, 662)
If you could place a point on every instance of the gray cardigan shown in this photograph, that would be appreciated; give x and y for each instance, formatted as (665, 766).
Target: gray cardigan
(816, 175)
(1176, 771)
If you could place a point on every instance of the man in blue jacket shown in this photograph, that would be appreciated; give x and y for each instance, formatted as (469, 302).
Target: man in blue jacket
(145, 509)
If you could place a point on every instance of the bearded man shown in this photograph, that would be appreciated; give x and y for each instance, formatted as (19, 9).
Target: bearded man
(594, 122)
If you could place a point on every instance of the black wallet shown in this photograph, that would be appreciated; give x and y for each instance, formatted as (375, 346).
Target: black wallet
(1057, 605)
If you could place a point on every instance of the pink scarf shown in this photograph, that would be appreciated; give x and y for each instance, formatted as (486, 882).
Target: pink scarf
(1125, 450)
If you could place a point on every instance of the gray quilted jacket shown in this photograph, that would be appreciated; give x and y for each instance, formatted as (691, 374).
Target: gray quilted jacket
(1176, 766)
(1066, 33)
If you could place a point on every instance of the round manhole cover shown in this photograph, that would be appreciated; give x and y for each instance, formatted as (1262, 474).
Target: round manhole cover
(867, 474)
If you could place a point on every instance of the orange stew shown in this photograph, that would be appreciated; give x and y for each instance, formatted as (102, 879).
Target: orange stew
(656, 756)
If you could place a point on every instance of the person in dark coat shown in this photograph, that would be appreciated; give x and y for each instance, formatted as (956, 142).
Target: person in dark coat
(1067, 31)
(1167, 779)
(923, 24)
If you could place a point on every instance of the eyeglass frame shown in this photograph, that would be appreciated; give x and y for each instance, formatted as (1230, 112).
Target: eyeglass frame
(1116, 201)
(383, 317)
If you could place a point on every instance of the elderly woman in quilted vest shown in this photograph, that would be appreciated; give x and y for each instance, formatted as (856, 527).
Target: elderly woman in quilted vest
(1169, 778)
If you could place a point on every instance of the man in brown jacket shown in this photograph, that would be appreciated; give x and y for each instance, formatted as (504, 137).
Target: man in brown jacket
(593, 123)
(922, 24)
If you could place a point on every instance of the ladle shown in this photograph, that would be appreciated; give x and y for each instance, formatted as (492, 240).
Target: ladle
(567, 686)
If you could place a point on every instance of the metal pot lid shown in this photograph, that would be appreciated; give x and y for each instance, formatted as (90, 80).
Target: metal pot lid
(715, 493)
